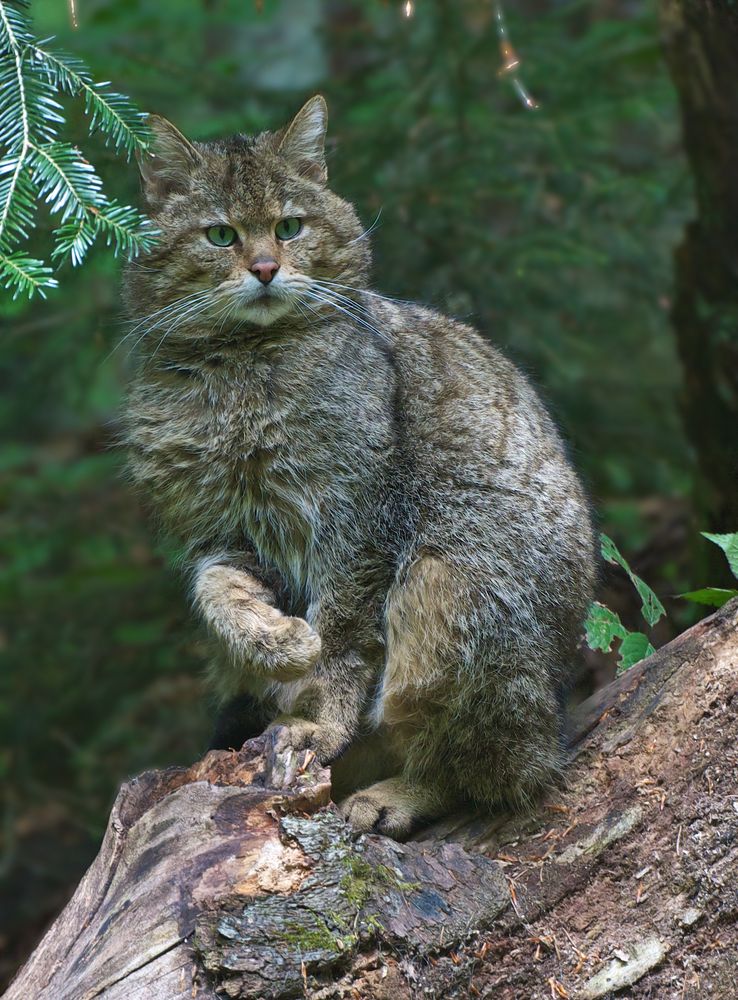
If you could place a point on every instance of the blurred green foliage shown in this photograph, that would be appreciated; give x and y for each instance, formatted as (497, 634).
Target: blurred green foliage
(552, 230)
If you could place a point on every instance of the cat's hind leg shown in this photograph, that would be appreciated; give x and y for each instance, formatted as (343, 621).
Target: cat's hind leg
(409, 705)
(467, 699)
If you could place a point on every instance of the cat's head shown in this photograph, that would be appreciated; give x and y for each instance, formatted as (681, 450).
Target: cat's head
(249, 231)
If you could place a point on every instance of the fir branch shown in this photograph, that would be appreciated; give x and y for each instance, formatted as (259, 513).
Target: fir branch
(125, 228)
(73, 240)
(23, 90)
(37, 167)
(109, 111)
(122, 227)
(25, 275)
(66, 182)
(14, 28)
(12, 34)
(17, 187)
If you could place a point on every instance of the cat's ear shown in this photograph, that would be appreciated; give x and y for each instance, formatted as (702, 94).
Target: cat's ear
(170, 160)
(303, 141)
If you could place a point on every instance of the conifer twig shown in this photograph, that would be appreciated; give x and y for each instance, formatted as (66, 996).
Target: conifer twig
(37, 167)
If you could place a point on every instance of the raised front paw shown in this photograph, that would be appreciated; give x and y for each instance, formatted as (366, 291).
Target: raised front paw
(288, 647)
(240, 609)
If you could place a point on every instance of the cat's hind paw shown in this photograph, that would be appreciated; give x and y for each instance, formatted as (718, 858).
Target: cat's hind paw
(391, 807)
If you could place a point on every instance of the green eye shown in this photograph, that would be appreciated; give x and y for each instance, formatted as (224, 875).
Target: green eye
(222, 236)
(287, 229)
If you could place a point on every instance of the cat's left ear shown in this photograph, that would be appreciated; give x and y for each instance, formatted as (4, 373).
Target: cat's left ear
(303, 141)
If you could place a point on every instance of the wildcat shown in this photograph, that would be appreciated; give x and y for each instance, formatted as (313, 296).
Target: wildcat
(387, 540)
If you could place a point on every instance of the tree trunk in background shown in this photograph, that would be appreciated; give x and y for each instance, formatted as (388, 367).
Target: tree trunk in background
(701, 44)
(210, 883)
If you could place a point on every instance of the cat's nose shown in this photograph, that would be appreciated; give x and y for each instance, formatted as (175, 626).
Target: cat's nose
(264, 268)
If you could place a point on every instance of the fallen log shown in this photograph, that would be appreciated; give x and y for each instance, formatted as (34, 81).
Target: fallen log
(210, 883)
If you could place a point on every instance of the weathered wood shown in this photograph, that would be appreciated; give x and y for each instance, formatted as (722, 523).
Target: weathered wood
(209, 883)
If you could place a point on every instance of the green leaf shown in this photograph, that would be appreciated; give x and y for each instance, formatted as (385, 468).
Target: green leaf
(715, 597)
(729, 545)
(14, 30)
(36, 167)
(25, 101)
(125, 228)
(634, 648)
(602, 627)
(651, 606)
(17, 192)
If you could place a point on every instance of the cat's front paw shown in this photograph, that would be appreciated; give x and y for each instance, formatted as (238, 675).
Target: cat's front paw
(289, 750)
(241, 611)
(292, 744)
(289, 647)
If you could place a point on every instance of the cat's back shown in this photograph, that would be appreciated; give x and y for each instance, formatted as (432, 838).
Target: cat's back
(461, 392)
(488, 463)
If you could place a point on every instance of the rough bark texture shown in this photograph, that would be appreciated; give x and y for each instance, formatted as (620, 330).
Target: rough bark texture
(211, 884)
(701, 45)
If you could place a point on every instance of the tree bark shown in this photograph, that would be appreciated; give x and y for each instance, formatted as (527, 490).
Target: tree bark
(700, 40)
(211, 884)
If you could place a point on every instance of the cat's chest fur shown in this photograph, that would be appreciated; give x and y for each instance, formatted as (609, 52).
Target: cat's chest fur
(229, 459)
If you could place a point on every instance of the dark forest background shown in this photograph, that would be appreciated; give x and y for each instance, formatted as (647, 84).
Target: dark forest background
(552, 230)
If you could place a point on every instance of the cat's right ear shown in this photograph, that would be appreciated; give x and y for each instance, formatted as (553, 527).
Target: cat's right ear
(168, 163)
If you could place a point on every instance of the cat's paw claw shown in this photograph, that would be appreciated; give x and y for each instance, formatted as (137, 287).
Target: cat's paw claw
(289, 752)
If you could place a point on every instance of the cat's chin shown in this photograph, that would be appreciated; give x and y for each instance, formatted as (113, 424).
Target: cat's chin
(264, 312)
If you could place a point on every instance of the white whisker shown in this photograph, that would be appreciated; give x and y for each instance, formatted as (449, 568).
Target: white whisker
(325, 299)
(330, 282)
(367, 232)
(187, 314)
(154, 318)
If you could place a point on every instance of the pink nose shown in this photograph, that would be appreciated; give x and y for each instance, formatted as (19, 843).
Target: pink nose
(264, 268)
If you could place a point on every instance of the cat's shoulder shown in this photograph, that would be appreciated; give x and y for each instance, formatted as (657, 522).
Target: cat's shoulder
(422, 332)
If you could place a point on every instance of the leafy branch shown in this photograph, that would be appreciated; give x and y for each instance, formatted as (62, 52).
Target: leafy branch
(603, 626)
(37, 167)
(717, 596)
